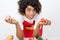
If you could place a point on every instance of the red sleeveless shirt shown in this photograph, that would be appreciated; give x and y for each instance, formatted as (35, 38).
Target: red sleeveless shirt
(29, 28)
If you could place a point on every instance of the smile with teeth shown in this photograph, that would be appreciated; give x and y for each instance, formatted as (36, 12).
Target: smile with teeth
(31, 16)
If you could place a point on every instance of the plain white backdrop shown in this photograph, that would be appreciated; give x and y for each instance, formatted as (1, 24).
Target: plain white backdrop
(50, 10)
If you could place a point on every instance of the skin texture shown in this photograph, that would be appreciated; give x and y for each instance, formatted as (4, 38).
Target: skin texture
(19, 32)
(30, 12)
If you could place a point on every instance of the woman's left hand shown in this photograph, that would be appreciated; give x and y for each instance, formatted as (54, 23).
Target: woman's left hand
(45, 22)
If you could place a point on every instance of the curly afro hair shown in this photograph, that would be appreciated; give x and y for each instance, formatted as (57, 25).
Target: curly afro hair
(24, 3)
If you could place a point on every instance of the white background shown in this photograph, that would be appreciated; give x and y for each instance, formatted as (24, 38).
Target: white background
(50, 10)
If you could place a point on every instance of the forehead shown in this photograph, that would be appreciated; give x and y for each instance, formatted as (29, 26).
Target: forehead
(30, 7)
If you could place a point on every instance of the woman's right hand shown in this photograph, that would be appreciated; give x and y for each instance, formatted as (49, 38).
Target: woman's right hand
(10, 20)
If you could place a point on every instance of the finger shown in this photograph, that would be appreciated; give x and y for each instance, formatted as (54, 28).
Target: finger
(49, 22)
(41, 22)
(44, 22)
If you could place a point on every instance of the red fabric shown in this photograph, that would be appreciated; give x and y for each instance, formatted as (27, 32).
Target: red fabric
(28, 33)
(41, 30)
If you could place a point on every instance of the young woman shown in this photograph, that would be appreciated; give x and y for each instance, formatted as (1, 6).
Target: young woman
(28, 9)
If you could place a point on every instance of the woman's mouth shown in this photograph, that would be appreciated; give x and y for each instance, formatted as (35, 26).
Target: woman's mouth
(31, 17)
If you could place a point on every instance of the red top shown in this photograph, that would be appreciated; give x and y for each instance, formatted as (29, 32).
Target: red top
(41, 30)
(29, 28)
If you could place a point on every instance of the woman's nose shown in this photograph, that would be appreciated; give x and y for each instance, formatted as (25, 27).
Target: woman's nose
(32, 13)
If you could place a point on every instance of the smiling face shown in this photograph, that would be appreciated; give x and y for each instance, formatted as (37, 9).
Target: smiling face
(30, 12)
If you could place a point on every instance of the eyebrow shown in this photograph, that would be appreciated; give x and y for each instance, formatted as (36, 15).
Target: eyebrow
(31, 8)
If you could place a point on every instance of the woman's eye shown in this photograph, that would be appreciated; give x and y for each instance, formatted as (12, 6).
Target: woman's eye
(28, 9)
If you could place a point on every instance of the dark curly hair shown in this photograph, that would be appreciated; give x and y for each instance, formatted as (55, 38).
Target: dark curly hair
(24, 3)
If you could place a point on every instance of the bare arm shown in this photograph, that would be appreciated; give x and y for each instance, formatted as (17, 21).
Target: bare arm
(19, 32)
(36, 31)
(44, 22)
